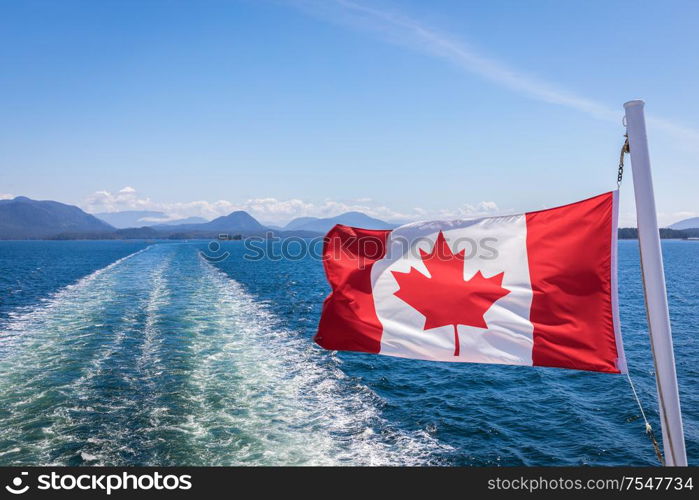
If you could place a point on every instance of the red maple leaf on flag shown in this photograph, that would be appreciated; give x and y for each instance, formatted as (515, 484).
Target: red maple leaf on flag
(444, 297)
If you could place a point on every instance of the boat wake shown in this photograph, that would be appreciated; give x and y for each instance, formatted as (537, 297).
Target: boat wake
(161, 359)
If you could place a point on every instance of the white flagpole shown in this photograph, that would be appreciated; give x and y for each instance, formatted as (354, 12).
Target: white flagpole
(654, 285)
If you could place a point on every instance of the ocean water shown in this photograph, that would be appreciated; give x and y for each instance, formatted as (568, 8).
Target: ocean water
(134, 353)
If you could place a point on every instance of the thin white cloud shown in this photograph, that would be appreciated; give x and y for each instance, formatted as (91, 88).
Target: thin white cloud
(124, 199)
(400, 29)
(271, 210)
(484, 208)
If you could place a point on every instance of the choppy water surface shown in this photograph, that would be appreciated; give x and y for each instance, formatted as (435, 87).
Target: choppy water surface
(121, 353)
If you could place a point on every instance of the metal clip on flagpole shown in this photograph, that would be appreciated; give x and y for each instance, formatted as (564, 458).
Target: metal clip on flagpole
(654, 286)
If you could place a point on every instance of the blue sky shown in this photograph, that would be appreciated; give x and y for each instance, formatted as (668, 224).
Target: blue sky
(402, 109)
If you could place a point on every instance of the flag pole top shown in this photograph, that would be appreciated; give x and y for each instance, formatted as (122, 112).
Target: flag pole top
(634, 103)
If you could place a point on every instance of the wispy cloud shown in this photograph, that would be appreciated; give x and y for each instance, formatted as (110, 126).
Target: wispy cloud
(270, 210)
(397, 28)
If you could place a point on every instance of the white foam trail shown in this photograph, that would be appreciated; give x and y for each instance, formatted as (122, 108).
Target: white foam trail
(110, 441)
(299, 408)
(46, 353)
(19, 320)
(161, 359)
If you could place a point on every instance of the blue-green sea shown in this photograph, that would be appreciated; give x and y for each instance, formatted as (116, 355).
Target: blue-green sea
(142, 353)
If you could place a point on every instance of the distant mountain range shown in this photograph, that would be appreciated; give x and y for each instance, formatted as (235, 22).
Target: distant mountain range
(176, 222)
(354, 219)
(691, 223)
(22, 218)
(236, 222)
(140, 218)
(130, 218)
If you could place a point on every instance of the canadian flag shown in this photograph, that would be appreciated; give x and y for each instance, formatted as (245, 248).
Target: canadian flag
(537, 288)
